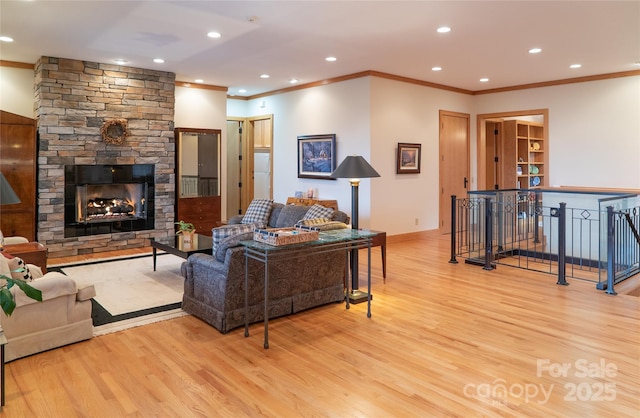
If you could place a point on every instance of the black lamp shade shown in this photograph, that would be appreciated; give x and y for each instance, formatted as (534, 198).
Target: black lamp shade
(7, 195)
(354, 167)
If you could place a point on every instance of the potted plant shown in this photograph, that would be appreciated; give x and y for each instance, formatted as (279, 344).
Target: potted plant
(186, 229)
(6, 297)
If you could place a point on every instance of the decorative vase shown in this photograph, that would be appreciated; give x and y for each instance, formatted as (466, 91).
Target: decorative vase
(187, 237)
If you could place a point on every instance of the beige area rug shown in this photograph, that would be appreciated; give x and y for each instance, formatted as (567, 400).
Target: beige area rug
(129, 293)
(137, 321)
(131, 285)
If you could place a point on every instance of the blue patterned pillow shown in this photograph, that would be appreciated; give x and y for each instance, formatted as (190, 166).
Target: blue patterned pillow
(231, 242)
(318, 211)
(258, 212)
(222, 232)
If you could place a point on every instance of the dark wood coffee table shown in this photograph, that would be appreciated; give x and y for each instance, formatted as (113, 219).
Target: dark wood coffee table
(200, 244)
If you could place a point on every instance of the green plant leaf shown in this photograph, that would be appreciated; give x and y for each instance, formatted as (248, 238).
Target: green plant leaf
(6, 301)
(28, 290)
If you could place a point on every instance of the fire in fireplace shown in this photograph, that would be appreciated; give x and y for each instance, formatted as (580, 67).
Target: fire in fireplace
(111, 202)
(103, 199)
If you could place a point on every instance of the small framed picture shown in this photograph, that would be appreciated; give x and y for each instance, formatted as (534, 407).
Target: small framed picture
(299, 194)
(408, 158)
(316, 156)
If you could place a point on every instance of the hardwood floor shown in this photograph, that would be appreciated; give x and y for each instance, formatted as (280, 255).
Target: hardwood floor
(443, 340)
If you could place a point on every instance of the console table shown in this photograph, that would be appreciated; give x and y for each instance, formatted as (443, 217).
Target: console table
(328, 241)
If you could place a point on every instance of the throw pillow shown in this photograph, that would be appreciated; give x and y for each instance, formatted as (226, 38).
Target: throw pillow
(312, 222)
(289, 215)
(230, 242)
(222, 232)
(19, 269)
(318, 211)
(258, 212)
(331, 225)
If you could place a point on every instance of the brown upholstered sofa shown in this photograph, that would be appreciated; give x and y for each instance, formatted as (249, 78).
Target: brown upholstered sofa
(214, 284)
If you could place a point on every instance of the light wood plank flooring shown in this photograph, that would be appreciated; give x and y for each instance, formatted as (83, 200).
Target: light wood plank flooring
(444, 340)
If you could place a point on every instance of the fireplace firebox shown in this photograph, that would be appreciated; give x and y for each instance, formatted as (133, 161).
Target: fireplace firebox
(105, 199)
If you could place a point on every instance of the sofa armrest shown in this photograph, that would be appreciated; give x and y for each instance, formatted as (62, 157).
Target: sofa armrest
(86, 293)
(52, 285)
(236, 219)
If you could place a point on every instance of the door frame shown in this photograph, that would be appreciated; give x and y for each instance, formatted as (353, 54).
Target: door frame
(481, 140)
(246, 163)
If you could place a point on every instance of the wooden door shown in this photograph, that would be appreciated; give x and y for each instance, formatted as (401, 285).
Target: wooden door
(18, 165)
(454, 162)
(259, 136)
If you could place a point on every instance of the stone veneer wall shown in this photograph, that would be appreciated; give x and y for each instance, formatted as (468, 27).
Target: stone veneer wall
(72, 99)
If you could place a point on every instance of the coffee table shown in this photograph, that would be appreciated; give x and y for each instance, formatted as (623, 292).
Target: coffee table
(177, 246)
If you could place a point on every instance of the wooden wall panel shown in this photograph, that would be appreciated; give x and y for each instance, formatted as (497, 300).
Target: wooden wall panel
(18, 156)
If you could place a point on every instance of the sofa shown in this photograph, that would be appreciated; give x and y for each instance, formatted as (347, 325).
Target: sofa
(63, 317)
(214, 287)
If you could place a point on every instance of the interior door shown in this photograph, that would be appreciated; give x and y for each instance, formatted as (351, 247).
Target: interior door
(198, 199)
(234, 167)
(454, 162)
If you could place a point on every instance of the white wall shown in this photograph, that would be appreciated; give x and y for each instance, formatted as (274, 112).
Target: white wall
(340, 108)
(404, 112)
(594, 129)
(205, 109)
(16, 91)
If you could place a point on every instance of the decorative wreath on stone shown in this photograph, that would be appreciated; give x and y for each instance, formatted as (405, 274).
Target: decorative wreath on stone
(114, 131)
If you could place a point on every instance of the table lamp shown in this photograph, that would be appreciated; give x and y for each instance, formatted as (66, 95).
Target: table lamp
(354, 168)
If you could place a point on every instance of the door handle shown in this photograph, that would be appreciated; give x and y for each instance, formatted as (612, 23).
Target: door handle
(465, 182)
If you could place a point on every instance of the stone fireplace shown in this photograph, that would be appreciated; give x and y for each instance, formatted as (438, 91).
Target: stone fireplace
(103, 211)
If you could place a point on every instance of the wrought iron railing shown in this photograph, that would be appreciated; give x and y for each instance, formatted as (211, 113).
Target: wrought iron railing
(582, 235)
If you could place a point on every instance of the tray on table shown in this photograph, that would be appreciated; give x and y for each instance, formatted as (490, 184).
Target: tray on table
(286, 236)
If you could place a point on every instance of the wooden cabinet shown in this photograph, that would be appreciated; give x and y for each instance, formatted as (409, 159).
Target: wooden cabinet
(198, 199)
(525, 155)
(261, 133)
(203, 212)
(18, 165)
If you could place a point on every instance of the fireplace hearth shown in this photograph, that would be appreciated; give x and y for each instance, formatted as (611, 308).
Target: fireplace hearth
(105, 199)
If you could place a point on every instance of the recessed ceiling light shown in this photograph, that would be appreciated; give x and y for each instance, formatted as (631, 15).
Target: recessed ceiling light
(331, 59)
(535, 50)
(443, 29)
(264, 75)
(575, 66)
(242, 91)
(436, 68)
(6, 39)
(214, 35)
(293, 81)
(158, 60)
(199, 80)
(121, 61)
(484, 80)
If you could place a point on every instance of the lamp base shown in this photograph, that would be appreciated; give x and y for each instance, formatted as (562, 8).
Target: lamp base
(358, 296)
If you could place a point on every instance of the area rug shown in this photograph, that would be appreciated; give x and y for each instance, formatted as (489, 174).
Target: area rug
(129, 293)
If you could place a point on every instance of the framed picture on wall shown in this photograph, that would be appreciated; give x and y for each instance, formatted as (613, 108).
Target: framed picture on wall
(316, 156)
(408, 158)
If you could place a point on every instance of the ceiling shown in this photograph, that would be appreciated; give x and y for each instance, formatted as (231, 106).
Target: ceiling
(290, 39)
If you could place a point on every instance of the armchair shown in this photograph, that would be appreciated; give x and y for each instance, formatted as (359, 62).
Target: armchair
(63, 317)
